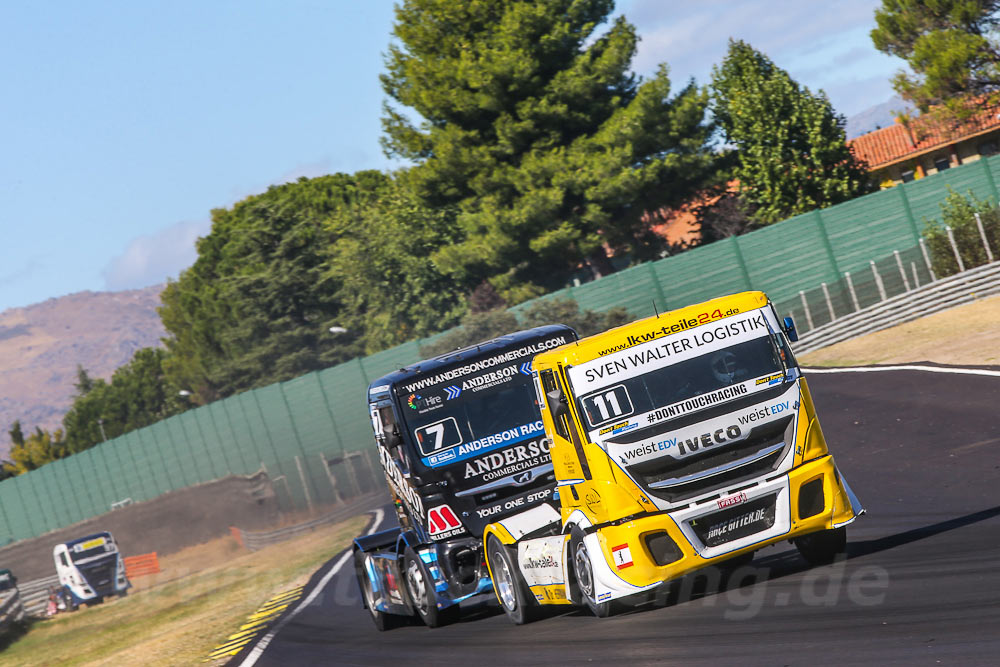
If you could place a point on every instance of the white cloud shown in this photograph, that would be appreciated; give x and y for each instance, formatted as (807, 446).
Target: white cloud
(821, 44)
(151, 259)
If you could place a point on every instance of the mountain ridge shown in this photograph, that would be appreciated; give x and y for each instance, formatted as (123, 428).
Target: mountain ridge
(41, 345)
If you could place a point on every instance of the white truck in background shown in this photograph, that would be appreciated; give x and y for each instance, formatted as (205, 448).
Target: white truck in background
(90, 569)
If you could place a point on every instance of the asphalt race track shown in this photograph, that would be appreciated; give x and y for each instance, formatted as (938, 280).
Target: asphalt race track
(920, 584)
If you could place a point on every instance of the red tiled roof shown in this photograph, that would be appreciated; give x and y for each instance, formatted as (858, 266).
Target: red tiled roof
(897, 142)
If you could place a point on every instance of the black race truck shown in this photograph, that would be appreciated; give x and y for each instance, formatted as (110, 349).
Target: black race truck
(461, 441)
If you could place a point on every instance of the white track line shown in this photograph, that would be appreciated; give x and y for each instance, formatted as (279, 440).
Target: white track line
(262, 643)
(929, 369)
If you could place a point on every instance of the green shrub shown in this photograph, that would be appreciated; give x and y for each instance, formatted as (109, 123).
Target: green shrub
(958, 212)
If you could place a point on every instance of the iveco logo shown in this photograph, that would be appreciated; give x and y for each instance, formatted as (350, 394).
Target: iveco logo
(523, 478)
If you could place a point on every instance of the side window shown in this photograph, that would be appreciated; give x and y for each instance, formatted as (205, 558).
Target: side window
(387, 419)
(560, 420)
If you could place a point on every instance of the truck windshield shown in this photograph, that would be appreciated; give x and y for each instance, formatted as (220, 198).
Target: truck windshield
(476, 419)
(95, 547)
(687, 386)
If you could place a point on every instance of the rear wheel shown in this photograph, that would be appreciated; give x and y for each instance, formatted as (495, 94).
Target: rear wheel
(420, 586)
(583, 570)
(508, 584)
(823, 547)
(382, 620)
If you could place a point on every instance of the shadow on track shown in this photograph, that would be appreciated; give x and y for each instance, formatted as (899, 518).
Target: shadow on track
(857, 549)
(719, 579)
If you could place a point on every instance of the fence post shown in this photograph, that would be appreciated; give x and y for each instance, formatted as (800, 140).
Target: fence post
(916, 278)
(352, 474)
(372, 477)
(829, 303)
(927, 259)
(878, 280)
(305, 486)
(850, 287)
(330, 476)
(954, 247)
(657, 286)
(902, 271)
(909, 213)
(982, 235)
(741, 262)
(805, 307)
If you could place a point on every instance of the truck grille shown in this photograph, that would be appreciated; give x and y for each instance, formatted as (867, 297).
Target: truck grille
(673, 479)
(100, 575)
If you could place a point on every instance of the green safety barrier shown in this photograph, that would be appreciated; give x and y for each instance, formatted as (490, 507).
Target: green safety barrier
(312, 433)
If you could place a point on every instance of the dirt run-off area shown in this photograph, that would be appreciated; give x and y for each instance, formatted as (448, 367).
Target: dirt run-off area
(965, 335)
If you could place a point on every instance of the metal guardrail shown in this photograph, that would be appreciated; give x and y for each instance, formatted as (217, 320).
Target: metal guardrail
(35, 594)
(254, 540)
(941, 294)
(11, 610)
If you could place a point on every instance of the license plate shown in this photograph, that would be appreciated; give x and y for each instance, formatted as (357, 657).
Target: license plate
(737, 522)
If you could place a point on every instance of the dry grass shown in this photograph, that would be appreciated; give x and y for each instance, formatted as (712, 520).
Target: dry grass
(968, 334)
(177, 617)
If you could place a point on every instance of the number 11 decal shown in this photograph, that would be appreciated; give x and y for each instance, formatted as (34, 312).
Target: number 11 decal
(607, 405)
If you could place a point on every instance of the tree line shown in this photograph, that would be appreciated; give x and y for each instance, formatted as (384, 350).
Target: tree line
(535, 157)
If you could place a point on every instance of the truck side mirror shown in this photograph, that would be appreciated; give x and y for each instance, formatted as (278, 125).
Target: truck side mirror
(393, 439)
(557, 403)
(790, 331)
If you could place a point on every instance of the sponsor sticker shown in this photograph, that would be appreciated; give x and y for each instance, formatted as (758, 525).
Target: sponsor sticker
(659, 353)
(450, 438)
(516, 503)
(514, 459)
(89, 544)
(441, 520)
(731, 500)
(483, 364)
(622, 556)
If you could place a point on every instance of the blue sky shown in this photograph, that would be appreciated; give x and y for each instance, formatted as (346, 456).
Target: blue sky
(122, 124)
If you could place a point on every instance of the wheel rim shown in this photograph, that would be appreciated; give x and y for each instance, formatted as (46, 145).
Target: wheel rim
(504, 582)
(582, 564)
(417, 586)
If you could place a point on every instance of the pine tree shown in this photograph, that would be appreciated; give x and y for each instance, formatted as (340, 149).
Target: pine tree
(533, 126)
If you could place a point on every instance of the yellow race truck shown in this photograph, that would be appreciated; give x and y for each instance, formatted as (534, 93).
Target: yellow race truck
(678, 442)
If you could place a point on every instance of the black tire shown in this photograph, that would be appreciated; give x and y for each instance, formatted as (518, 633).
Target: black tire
(509, 586)
(822, 548)
(382, 620)
(583, 571)
(420, 587)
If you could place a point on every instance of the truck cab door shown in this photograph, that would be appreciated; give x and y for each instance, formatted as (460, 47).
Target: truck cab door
(568, 457)
(63, 567)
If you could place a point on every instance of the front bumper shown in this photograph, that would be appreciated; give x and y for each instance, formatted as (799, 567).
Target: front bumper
(807, 499)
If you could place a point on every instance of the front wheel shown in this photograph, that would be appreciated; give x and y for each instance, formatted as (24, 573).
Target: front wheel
(583, 570)
(420, 586)
(823, 547)
(382, 620)
(508, 584)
